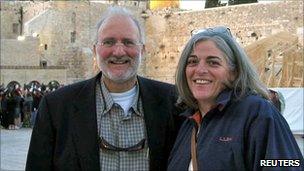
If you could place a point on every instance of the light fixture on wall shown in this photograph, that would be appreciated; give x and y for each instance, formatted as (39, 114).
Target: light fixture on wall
(144, 15)
(35, 34)
(21, 38)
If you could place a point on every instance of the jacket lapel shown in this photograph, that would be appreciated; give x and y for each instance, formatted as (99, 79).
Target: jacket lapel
(155, 116)
(85, 126)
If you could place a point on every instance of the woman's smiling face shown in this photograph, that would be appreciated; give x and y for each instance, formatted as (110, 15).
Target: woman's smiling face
(207, 72)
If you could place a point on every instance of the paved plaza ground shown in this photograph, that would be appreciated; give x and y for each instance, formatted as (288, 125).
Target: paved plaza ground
(14, 147)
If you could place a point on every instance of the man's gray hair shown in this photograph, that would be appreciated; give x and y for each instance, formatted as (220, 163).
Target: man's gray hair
(246, 80)
(117, 10)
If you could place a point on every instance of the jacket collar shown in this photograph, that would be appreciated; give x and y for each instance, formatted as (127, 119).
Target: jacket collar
(223, 99)
(221, 102)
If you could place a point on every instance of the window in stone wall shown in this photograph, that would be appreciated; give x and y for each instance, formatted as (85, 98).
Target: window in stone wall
(43, 63)
(73, 36)
(45, 47)
(15, 28)
(73, 18)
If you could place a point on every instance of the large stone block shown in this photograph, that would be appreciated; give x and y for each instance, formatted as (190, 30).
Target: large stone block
(20, 53)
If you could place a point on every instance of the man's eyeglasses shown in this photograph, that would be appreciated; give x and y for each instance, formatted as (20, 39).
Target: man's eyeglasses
(107, 146)
(108, 43)
(218, 29)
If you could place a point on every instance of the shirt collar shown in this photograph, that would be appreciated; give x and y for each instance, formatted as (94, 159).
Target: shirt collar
(136, 101)
(108, 101)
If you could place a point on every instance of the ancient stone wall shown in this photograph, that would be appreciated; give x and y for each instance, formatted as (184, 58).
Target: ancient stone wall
(169, 31)
(20, 53)
(11, 14)
(8, 20)
(56, 28)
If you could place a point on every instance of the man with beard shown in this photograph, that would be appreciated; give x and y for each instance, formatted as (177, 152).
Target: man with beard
(114, 121)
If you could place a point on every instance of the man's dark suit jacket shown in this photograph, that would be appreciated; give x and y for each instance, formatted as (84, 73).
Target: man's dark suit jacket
(65, 134)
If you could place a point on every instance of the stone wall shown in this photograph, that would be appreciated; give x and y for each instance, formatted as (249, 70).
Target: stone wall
(10, 14)
(55, 27)
(7, 19)
(167, 32)
(20, 53)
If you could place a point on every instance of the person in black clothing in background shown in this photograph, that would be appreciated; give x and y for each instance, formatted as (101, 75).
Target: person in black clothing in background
(2, 108)
(37, 96)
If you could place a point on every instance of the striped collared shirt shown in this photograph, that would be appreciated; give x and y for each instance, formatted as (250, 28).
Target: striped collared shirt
(121, 131)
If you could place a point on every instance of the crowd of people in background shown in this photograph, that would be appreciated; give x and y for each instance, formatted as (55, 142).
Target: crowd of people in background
(19, 105)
